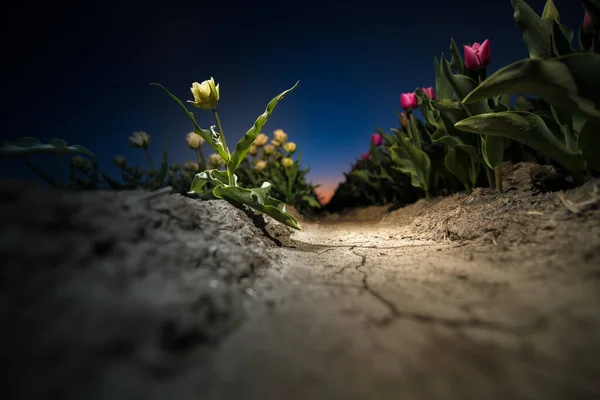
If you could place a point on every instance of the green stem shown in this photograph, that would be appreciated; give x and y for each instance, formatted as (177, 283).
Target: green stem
(149, 159)
(498, 179)
(220, 128)
(416, 135)
(200, 157)
(61, 181)
(570, 143)
(490, 176)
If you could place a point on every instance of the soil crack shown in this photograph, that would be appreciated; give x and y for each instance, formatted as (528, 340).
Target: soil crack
(394, 313)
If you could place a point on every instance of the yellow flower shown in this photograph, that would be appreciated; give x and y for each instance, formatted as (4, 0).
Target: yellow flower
(253, 150)
(261, 140)
(191, 166)
(269, 149)
(280, 136)
(215, 161)
(206, 94)
(275, 143)
(194, 140)
(290, 147)
(260, 165)
(140, 140)
(119, 161)
(287, 162)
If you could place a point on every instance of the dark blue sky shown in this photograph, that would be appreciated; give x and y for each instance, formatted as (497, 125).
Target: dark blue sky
(82, 72)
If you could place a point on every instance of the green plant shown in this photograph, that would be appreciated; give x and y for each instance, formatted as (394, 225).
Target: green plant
(206, 96)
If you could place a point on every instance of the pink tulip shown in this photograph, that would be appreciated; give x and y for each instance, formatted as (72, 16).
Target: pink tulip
(377, 139)
(408, 101)
(477, 56)
(588, 24)
(365, 156)
(429, 92)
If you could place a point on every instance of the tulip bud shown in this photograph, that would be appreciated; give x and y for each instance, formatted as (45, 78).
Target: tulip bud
(206, 94)
(194, 140)
(172, 174)
(139, 140)
(429, 92)
(80, 163)
(290, 147)
(269, 149)
(477, 56)
(261, 140)
(377, 139)
(588, 25)
(275, 143)
(408, 101)
(287, 162)
(280, 136)
(191, 166)
(365, 156)
(174, 167)
(215, 161)
(253, 150)
(119, 161)
(403, 119)
(260, 165)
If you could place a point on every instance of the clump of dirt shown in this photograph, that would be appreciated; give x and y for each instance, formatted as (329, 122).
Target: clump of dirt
(90, 279)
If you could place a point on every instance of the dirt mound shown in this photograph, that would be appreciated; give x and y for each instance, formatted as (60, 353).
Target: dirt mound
(117, 278)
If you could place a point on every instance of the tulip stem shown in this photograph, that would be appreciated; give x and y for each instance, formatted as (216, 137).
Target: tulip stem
(220, 128)
(498, 179)
(200, 157)
(149, 159)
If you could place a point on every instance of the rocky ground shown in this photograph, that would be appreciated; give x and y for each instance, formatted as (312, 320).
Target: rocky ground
(155, 296)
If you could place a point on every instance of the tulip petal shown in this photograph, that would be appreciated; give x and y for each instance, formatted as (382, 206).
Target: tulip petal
(470, 56)
(484, 53)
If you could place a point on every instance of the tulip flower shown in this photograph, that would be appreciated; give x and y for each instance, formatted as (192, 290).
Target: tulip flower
(194, 140)
(215, 160)
(377, 139)
(206, 94)
(408, 101)
(191, 166)
(260, 165)
(287, 162)
(261, 140)
(269, 149)
(139, 140)
(365, 156)
(280, 136)
(275, 143)
(119, 161)
(477, 56)
(290, 147)
(588, 24)
(253, 150)
(429, 92)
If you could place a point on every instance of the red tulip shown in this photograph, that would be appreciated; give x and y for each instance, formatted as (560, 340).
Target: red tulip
(588, 24)
(377, 139)
(408, 101)
(429, 92)
(477, 56)
(365, 156)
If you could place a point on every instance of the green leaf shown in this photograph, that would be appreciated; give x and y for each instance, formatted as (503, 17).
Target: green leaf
(462, 86)
(204, 133)
(589, 142)
(213, 176)
(456, 60)
(571, 82)
(413, 161)
(526, 128)
(442, 87)
(492, 150)
(241, 149)
(312, 201)
(258, 199)
(562, 39)
(462, 165)
(29, 145)
(536, 31)
(550, 10)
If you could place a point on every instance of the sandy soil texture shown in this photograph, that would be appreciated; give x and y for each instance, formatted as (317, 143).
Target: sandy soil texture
(472, 296)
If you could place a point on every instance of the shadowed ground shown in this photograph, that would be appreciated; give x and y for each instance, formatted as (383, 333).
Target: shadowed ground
(474, 296)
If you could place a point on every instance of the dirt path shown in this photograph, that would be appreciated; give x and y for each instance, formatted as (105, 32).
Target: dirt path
(136, 295)
(361, 313)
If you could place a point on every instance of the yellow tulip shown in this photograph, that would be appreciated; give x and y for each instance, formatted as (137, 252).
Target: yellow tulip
(290, 147)
(287, 162)
(194, 140)
(206, 94)
(260, 165)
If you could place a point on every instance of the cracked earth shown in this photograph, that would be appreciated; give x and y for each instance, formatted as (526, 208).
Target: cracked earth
(135, 295)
